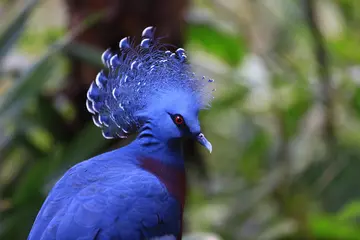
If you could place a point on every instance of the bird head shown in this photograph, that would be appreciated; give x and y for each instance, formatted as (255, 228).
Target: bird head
(148, 85)
(174, 115)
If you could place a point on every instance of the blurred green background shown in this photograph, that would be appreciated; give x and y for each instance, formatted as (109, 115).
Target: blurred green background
(285, 123)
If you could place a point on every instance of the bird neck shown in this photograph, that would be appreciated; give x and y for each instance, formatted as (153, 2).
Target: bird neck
(168, 152)
(164, 160)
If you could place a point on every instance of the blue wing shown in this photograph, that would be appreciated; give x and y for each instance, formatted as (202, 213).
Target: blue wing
(97, 200)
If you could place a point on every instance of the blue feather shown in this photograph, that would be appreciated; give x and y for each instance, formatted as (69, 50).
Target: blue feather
(134, 76)
(106, 199)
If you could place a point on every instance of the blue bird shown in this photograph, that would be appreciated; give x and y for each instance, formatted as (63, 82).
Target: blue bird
(137, 191)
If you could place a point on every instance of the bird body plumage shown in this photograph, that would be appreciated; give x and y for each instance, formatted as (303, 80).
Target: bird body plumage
(138, 191)
(110, 198)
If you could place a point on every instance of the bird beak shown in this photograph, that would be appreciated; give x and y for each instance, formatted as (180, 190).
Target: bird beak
(203, 141)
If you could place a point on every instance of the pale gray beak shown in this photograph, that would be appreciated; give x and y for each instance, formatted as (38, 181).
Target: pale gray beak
(203, 141)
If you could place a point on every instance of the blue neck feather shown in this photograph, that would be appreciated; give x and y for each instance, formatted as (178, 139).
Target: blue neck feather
(168, 152)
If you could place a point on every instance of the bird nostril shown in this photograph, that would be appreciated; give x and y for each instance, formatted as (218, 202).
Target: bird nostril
(198, 135)
(203, 141)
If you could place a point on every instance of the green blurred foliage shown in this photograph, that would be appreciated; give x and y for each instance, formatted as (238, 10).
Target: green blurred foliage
(275, 173)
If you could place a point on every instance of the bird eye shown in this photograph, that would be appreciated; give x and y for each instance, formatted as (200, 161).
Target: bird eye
(178, 119)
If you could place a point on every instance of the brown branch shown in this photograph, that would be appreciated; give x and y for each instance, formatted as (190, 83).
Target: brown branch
(336, 165)
(323, 69)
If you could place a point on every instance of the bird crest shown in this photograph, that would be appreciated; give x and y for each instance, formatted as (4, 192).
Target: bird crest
(134, 75)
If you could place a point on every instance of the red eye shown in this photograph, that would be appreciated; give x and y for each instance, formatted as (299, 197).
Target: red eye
(179, 120)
